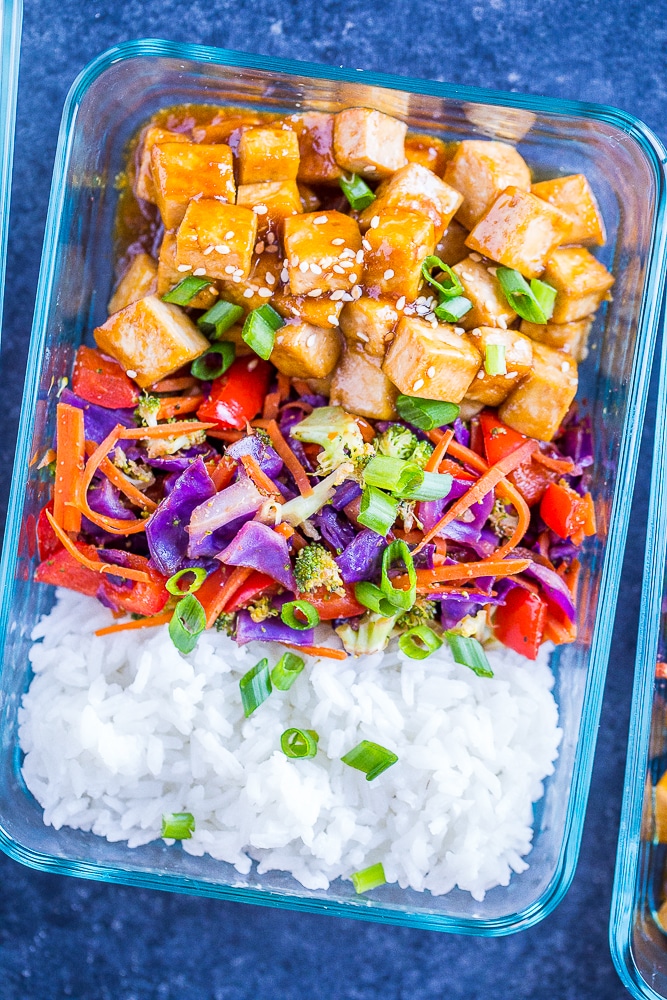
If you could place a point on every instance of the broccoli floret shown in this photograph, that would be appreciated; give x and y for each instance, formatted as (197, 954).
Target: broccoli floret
(140, 475)
(422, 453)
(261, 609)
(472, 626)
(226, 622)
(502, 520)
(315, 567)
(396, 442)
(147, 411)
(337, 433)
(422, 612)
(263, 436)
(372, 635)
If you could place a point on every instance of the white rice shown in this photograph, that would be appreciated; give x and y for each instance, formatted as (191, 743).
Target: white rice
(118, 730)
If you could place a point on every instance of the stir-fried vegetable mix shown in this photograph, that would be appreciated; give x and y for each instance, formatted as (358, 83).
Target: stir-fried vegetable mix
(333, 402)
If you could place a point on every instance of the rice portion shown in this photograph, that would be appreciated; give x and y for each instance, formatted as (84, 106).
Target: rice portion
(118, 730)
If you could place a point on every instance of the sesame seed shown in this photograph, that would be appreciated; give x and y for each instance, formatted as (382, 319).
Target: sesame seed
(475, 256)
(375, 222)
(279, 338)
(353, 278)
(239, 272)
(388, 274)
(476, 332)
(369, 170)
(480, 373)
(229, 235)
(272, 249)
(260, 209)
(346, 297)
(488, 304)
(502, 322)
(259, 247)
(303, 266)
(311, 340)
(320, 220)
(184, 267)
(429, 317)
(253, 364)
(418, 384)
(230, 269)
(360, 257)
(247, 293)
(511, 375)
(221, 248)
(459, 330)
(348, 253)
(366, 245)
(315, 292)
(357, 292)
(467, 276)
(400, 303)
(332, 319)
(131, 373)
(265, 293)
(492, 271)
(315, 268)
(565, 367)
(199, 271)
(271, 238)
(338, 242)
(362, 336)
(431, 371)
(236, 278)
(293, 261)
(208, 250)
(284, 276)
(338, 294)
(338, 269)
(270, 280)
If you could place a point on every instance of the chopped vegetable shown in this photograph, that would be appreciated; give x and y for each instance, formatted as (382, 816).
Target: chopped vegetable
(286, 671)
(337, 433)
(371, 758)
(177, 826)
(357, 192)
(314, 568)
(299, 744)
(520, 622)
(469, 652)
(185, 291)
(255, 687)
(426, 413)
(368, 878)
(187, 623)
(300, 615)
(259, 330)
(219, 318)
(419, 642)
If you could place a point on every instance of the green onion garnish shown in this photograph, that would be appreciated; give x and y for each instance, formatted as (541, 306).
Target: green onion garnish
(426, 413)
(369, 878)
(357, 192)
(370, 758)
(184, 292)
(419, 642)
(378, 510)
(219, 318)
(259, 330)
(392, 474)
(469, 652)
(534, 302)
(453, 289)
(286, 671)
(173, 583)
(288, 615)
(403, 599)
(255, 687)
(433, 486)
(187, 623)
(372, 598)
(494, 359)
(299, 743)
(177, 826)
(451, 310)
(214, 362)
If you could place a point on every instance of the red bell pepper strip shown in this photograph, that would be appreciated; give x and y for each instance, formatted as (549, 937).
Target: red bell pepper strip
(520, 622)
(63, 570)
(532, 480)
(330, 605)
(566, 513)
(238, 395)
(102, 381)
(256, 585)
(499, 439)
(139, 598)
(48, 542)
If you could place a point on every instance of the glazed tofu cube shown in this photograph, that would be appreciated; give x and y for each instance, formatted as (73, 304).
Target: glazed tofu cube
(360, 386)
(538, 405)
(150, 339)
(214, 236)
(427, 151)
(395, 247)
(139, 280)
(305, 351)
(368, 142)
(182, 171)
(368, 325)
(519, 231)
(493, 389)
(317, 164)
(143, 183)
(416, 189)
(573, 196)
(255, 290)
(271, 202)
(570, 338)
(222, 130)
(451, 247)
(432, 363)
(481, 170)
(169, 275)
(319, 311)
(581, 283)
(480, 285)
(268, 154)
(321, 250)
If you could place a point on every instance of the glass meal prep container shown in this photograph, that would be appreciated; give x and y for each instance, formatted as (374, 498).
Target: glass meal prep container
(113, 97)
(10, 43)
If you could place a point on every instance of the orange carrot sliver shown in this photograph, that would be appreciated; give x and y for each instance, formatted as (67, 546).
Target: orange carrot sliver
(70, 456)
(467, 456)
(511, 493)
(284, 386)
(428, 579)
(173, 406)
(282, 448)
(564, 466)
(164, 430)
(175, 384)
(120, 480)
(96, 564)
(223, 473)
(271, 405)
(260, 478)
(284, 529)
(216, 605)
(228, 435)
(439, 451)
(331, 654)
(162, 619)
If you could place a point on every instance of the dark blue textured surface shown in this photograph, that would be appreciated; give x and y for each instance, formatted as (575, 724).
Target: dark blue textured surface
(65, 938)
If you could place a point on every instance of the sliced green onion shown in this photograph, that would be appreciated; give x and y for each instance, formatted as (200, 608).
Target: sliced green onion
(286, 671)
(259, 330)
(419, 642)
(469, 652)
(255, 687)
(371, 758)
(393, 474)
(426, 413)
(372, 598)
(187, 623)
(357, 192)
(369, 878)
(288, 615)
(378, 510)
(184, 292)
(453, 289)
(172, 585)
(494, 359)
(177, 826)
(533, 302)
(219, 318)
(299, 743)
(403, 599)
(214, 362)
(434, 486)
(451, 310)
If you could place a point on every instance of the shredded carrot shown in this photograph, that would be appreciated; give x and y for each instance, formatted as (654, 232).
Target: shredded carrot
(271, 405)
(427, 579)
(70, 455)
(570, 576)
(456, 470)
(162, 619)
(367, 432)
(95, 564)
(439, 451)
(411, 537)
(560, 632)
(563, 466)
(284, 386)
(120, 480)
(260, 478)
(223, 473)
(228, 435)
(164, 430)
(284, 529)
(511, 493)
(174, 406)
(175, 384)
(467, 456)
(301, 386)
(220, 598)
(281, 446)
(326, 651)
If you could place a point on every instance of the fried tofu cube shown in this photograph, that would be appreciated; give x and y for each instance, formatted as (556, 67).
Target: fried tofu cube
(321, 250)
(574, 196)
(416, 189)
(399, 241)
(151, 338)
(581, 283)
(214, 236)
(169, 275)
(302, 350)
(480, 285)
(139, 280)
(143, 183)
(519, 231)
(268, 154)
(360, 386)
(183, 171)
(432, 363)
(493, 389)
(319, 311)
(257, 289)
(538, 405)
(451, 247)
(272, 202)
(427, 151)
(317, 164)
(368, 325)
(570, 338)
(481, 170)
(368, 142)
